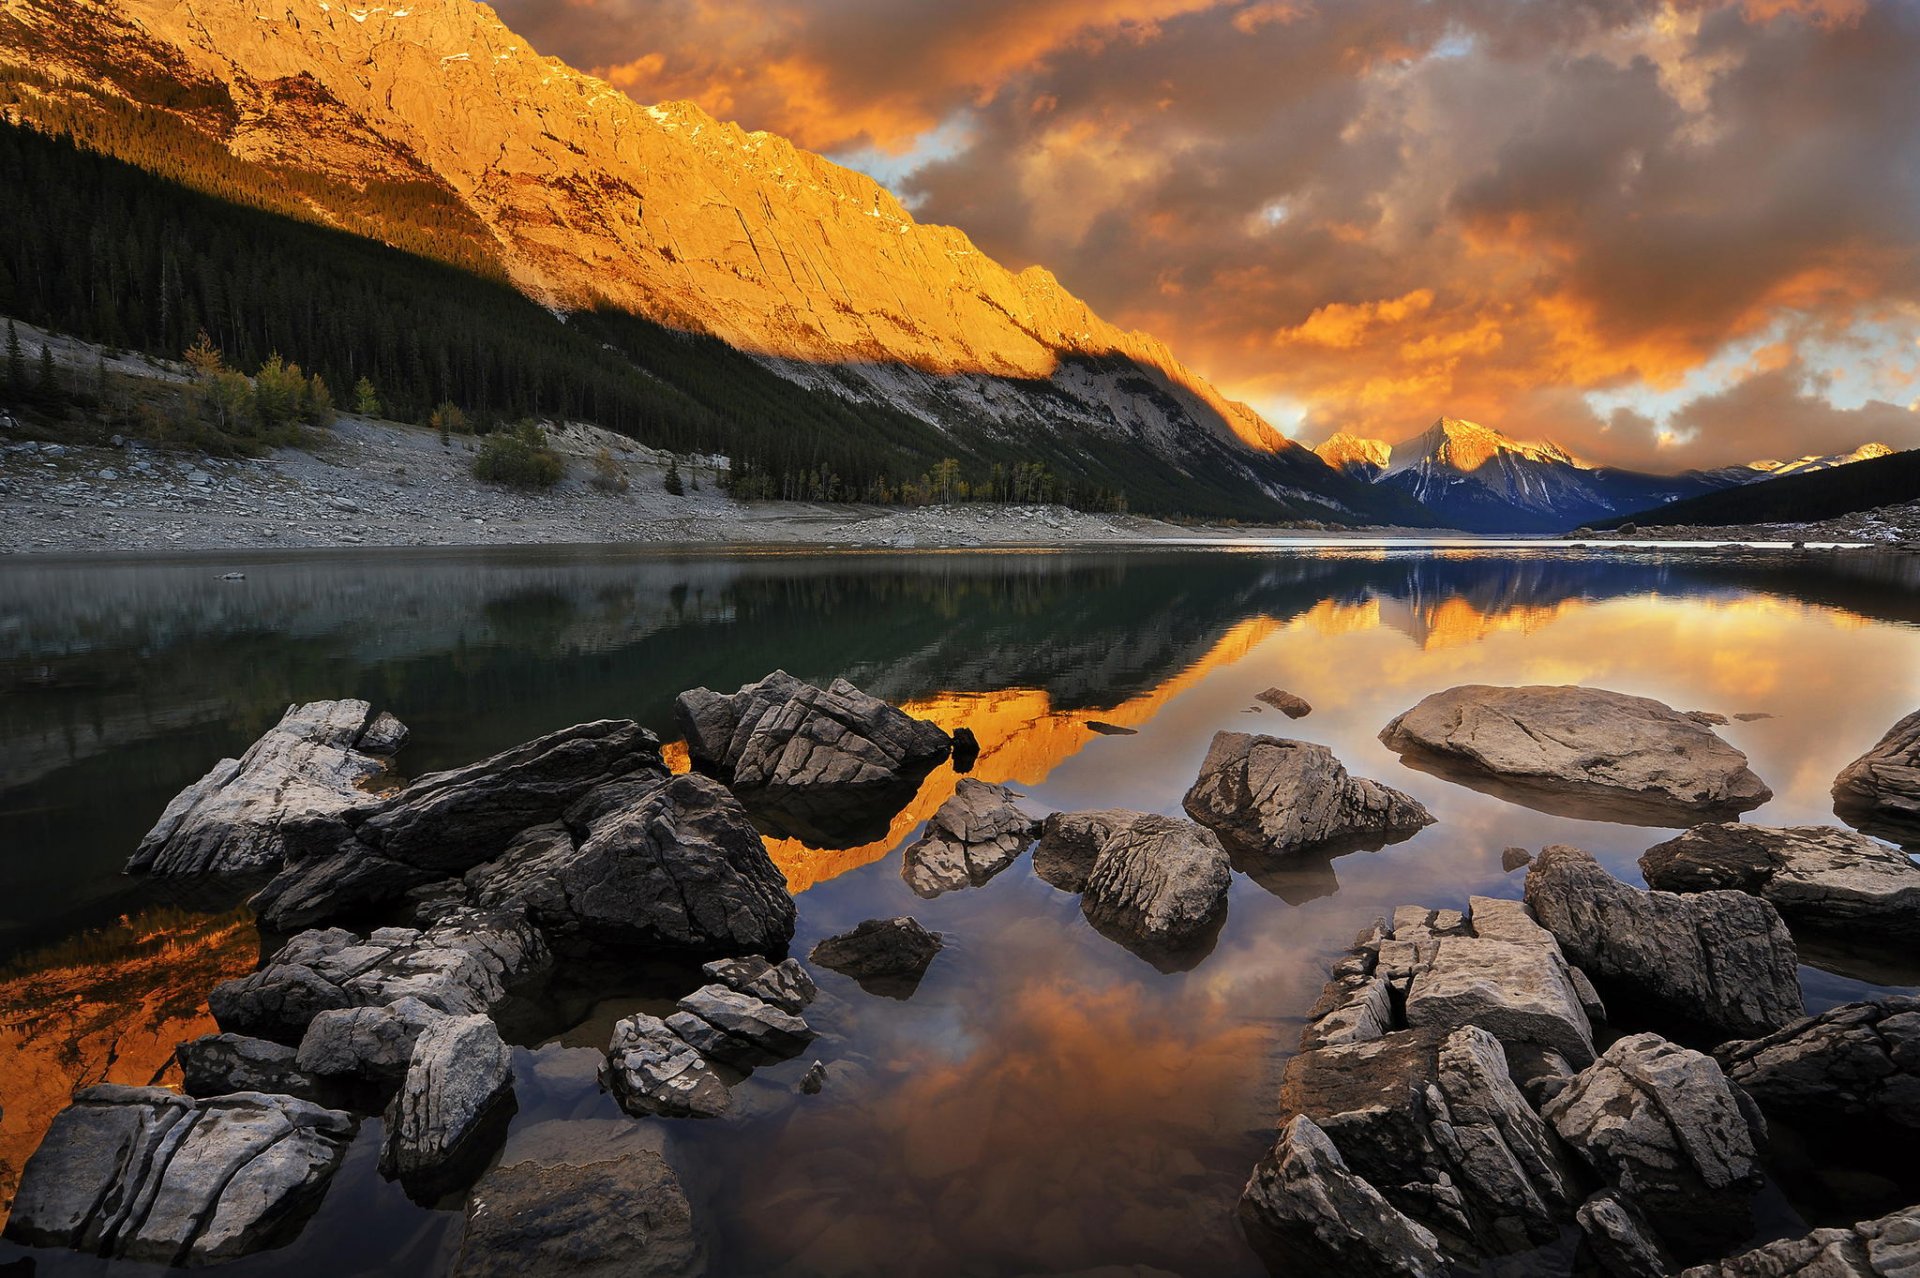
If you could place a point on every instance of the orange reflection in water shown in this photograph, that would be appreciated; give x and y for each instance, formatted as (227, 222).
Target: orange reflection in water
(106, 1007)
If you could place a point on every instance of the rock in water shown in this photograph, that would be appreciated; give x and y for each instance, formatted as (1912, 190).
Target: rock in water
(1306, 1213)
(977, 833)
(652, 1070)
(1659, 1123)
(1292, 706)
(1856, 1065)
(1885, 1248)
(1815, 875)
(140, 1173)
(1880, 791)
(1265, 796)
(737, 1028)
(1591, 751)
(309, 766)
(220, 1064)
(1159, 884)
(884, 955)
(438, 1127)
(785, 984)
(1722, 961)
(369, 1043)
(623, 1216)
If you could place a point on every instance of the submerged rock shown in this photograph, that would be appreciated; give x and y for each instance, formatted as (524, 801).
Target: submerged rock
(973, 836)
(460, 1076)
(1629, 758)
(1287, 703)
(652, 1070)
(1267, 796)
(1818, 876)
(893, 952)
(617, 1216)
(1660, 1123)
(1880, 791)
(310, 766)
(140, 1173)
(1885, 1248)
(1856, 1065)
(1721, 961)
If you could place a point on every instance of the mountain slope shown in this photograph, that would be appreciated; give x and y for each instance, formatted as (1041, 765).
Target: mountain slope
(431, 126)
(1886, 480)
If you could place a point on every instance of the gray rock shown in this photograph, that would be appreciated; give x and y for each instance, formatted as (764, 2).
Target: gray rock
(744, 1030)
(1639, 757)
(140, 1173)
(814, 1079)
(1515, 859)
(309, 766)
(1856, 1064)
(219, 1064)
(1522, 993)
(370, 1043)
(1306, 1212)
(1722, 961)
(652, 1070)
(973, 836)
(880, 949)
(1266, 796)
(1885, 1248)
(623, 1216)
(1070, 843)
(1880, 791)
(1660, 1123)
(1287, 703)
(1817, 876)
(1622, 1242)
(384, 736)
(1158, 884)
(459, 1077)
(785, 984)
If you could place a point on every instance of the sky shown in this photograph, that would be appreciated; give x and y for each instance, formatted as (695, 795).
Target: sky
(1663, 235)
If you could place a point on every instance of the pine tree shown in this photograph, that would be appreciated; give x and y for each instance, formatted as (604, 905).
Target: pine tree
(48, 387)
(366, 400)
(672, 482)
(16, 363)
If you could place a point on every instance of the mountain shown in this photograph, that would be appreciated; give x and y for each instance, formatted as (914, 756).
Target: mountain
(1755, 471)
(429, 126)
(1884, 478)
(1353, 455)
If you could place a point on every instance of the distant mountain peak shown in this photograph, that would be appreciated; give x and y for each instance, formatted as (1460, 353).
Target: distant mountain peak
(1355, 454)
(1458, 444)
(1773, 468)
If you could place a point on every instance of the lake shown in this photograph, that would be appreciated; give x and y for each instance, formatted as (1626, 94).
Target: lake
(1045, 1101)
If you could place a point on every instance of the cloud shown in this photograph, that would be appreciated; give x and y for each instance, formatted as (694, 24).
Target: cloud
(1382, 209)
(1775, 412)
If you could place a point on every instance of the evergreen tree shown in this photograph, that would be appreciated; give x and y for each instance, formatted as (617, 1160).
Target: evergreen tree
(48, 387)
(366, 400)
(672, 482)
(16, 363)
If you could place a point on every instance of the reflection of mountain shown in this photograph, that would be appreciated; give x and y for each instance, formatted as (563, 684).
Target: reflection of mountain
(107, 1007)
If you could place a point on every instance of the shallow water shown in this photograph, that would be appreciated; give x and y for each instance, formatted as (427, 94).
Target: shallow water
(1045, 1102)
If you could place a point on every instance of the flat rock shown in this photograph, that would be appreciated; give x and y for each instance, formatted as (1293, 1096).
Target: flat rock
(883, 950)
(1880, 791)
(1885, 1248)
(1521, 992)
(738, 1028)
(1719, 961)
(144, 1174)
(220, 1064)
(437, 1123)
(1857, 1064)
(652, 1070)
(309, 766)
(1639, 759)
(785, 984)
(1660, 1123)
(623, 1216)
(1267, 796)
(372, 1043)
(1818, 876)
(1287, 703)
(973, 836)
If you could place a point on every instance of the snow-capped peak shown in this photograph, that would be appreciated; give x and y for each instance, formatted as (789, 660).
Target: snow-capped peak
(1466, 446)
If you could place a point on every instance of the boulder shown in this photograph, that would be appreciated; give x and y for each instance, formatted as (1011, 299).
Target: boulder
(1287, 703)
(445, 823)
(1855, 1066)
(1818, 876)
(438, 1124)
(1885, 1248)
(220, 1064)
(1156, 884)
(652, 1070)
(885, 950)
(1522, 992)
(1266, 796)
(140, 1173)
(1306, 1212)
(738, 1029)
(1586, 750)
(973, 836)
(618, 1216)
(785, 984)
(1660, 1123)
(1719, 961)
(308, 767)
(1623, 1245)
(370, 1043)
(650, 862)
(1880, 791)
(1070, 843)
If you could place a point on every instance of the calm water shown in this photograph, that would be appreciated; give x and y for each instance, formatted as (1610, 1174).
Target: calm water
(1045, 1102)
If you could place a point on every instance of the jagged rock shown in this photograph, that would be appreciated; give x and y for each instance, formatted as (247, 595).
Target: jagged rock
(739, 1029)
(1306, 1212)
(219, 1064)
(1622, 1242)
(1885, 1248)
(143, 1174)
(623, 1216)
(973, 836)
(1520, 990)
(1515, 859)
(1880, 791)
(649, 862)
(652, 1070)
(1660, 1123)
(1070, 843)
(785, 984)
(1722, 961)
(445, 823)
(1642, 759)
(1815, 875)
(309, 766)
(1266, 796)
(437, 1124)
(814, 1079)
(465, 964)
(1856, 1064)
(1156, 884)
(1287, 703)
(371, 1043)
(895, 949)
